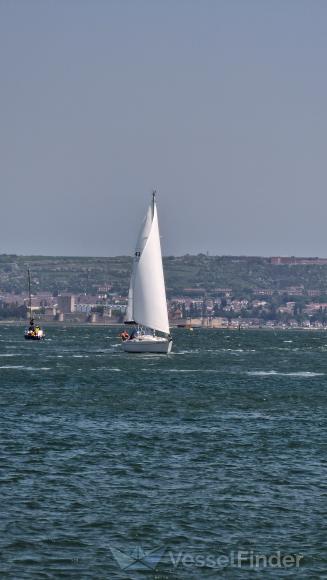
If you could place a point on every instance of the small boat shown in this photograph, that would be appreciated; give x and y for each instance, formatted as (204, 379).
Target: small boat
(34, 331)
(147, 305)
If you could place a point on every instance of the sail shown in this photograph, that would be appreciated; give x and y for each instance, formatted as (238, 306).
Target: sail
(141, 241)
(148, 285)
(129, 310)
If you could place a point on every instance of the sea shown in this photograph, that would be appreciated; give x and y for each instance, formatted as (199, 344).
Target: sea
(207, 463)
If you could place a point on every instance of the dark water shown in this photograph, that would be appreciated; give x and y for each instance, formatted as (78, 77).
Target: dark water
(217, 448)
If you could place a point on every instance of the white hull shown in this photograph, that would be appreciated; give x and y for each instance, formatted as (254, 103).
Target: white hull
(150, 344)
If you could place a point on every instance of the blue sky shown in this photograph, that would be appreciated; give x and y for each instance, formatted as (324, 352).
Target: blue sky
(220, 105)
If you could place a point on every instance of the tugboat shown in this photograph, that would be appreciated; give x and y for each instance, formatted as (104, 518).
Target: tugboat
(34, 331)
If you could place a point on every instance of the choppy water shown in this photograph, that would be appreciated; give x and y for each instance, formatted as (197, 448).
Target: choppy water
(219, 447)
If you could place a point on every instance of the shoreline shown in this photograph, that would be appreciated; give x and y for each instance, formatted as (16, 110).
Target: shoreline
(20, 323)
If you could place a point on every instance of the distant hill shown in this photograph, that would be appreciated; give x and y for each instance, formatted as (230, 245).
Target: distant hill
(197, 273)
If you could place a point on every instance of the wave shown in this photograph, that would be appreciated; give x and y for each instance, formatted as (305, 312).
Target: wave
(107, 369)
(189, 371)
(291, 374)
(23, 367)
(189, 351)
(236, 350)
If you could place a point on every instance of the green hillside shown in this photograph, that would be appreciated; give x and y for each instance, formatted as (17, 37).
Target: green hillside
(82, 274)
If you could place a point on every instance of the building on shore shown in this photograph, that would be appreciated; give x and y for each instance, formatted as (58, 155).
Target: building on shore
(66, 303)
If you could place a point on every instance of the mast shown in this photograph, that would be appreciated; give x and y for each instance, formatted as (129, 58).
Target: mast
(153, 201)
(29, 292)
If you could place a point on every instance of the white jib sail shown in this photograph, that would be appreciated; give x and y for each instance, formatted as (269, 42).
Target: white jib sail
(148, 295)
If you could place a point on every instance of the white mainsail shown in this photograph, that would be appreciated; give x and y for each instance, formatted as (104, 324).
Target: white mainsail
(129, 309)
(147, 303)
(141, 241)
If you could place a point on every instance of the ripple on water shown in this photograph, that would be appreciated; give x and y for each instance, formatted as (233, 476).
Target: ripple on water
(305, 374)
(25, 368)
(218, 447)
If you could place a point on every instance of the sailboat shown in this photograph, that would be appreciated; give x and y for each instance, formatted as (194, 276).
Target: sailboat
(147, 304)
(33, 332)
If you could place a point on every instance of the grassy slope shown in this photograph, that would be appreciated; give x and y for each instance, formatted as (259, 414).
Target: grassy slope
(79, 274)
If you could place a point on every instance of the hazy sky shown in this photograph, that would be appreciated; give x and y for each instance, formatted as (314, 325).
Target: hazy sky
(220, 105)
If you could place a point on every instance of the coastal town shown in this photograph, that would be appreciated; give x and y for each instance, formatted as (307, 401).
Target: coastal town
(194, 306)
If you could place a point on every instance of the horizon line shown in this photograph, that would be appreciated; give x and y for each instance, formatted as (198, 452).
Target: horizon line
(205, 254)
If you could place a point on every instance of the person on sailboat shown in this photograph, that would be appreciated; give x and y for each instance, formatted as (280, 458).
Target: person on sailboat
(134, 333)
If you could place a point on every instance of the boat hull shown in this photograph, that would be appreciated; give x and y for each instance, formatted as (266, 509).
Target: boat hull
(29, 336)
(148, 345)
